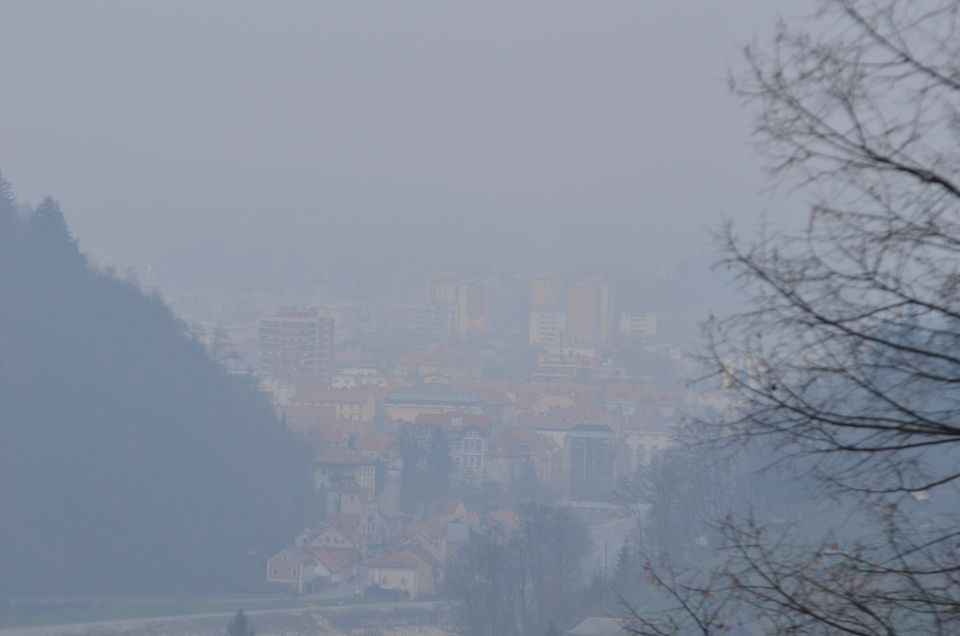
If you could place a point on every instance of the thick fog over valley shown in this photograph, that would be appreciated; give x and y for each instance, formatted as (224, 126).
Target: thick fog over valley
(248, 145)
(483, 318)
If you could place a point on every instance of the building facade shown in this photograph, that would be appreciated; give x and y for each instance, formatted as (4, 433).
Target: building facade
(466, 436)
(588, 312)
(296, 345)
(638, 324)
(548, 326)
(546, 292)
(591, 462)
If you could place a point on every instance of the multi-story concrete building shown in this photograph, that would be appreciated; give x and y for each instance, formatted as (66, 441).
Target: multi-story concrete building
(406, 404)
(565, 363)
(437, 324)
(443, 291)
(313, 402)
(452, 364)
(638, 324)
(546, 292)
(643, 438)
(591, 462)
(548, 317)
(588, 312)
(337, 466)
(548, 326)
(466, 303)
(474, 306)
(358, 377)
(296, 344)
(466, 434)
(344, 317)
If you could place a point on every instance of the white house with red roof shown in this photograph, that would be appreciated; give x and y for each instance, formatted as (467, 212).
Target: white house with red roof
(466, 434)
(409, 568)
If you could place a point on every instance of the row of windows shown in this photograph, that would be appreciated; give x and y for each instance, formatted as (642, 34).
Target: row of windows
(274, 572)
(384, 581)
(468, 446)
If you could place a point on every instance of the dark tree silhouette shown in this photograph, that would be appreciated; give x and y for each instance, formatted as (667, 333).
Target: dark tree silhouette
(845, 362)
(130, 461)
(240, 625)
(426, 466)
(552, 630)
(520, 580)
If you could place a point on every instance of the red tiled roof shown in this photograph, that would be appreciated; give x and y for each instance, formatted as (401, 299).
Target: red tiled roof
(550, 421)
(343, 456)
(400, 558)
(438, 356)
(424, 555)
(312, 394)
(454, 421)
(510, 440)
(347, 525)
(431, 529)
(336, 559)
(491, 391)
(372, 442)
(303, 556)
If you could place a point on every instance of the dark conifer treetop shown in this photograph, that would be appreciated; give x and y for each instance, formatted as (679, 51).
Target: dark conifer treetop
(129, 460)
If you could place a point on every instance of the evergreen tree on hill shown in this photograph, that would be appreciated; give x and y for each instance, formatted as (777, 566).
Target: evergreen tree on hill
(240, 625)
(8, 207)
(9, 223)
(130, 461)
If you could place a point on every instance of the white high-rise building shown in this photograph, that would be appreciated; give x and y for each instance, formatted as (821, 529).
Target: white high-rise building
(296, 344)
(547, 326)
(638, 324)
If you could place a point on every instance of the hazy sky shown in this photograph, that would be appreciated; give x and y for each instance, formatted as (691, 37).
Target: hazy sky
(223, 140)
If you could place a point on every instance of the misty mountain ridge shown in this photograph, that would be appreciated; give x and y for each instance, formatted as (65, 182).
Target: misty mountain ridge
(117, 431)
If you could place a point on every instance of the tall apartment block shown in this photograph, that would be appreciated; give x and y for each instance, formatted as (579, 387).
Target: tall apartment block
(296, 345)
(588, 312)
(548, 326)
(548, 317)
(638, 324)
(546, 292)
(470, 301)
(437, 323)
(474, 309)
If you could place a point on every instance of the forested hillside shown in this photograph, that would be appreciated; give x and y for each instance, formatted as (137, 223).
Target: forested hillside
(130, 462)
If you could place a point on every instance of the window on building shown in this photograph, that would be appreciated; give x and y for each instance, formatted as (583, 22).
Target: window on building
(383, 580)
(403, 581)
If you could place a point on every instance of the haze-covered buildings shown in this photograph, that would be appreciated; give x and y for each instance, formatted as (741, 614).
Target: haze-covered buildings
(296, 345)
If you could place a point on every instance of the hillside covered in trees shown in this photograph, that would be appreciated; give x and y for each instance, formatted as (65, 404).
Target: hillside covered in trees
(130, 462)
